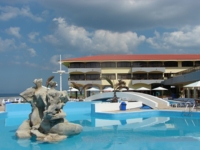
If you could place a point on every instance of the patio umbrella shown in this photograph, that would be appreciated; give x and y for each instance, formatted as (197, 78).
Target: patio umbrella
(142, 89)
(73, 90)
(195, 84)
(109, 89)
(93, 89)
(124, 89)
(160, 89)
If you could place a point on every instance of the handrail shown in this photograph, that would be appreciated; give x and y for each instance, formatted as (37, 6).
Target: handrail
(189, 112)
(193, 69)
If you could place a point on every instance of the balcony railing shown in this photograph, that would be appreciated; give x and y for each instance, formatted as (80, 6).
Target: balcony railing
(85, 67)
(147, 78)
(84, 70)
(77, 79)
(84, 82)
(148, 65)
(147, 81)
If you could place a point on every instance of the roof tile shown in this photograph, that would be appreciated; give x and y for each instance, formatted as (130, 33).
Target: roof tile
(132, 57)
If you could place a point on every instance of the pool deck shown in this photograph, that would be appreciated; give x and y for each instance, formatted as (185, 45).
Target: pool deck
(2, 109)
(138, 109)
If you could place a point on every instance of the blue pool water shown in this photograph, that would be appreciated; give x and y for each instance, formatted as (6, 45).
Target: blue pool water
(150, 132)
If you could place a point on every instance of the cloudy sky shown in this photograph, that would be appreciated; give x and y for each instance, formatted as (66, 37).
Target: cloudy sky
(33, 33)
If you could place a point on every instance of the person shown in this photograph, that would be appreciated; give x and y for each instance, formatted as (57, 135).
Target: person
(157, 94)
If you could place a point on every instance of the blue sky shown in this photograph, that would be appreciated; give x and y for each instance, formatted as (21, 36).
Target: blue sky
(33, 33)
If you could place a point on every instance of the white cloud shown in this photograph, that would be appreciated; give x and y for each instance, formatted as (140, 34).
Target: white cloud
(32, 35)
(32, 52)
(9, 12)
(102, 41)
(185, 38)
(14, 31)
(117, 42)
(54, 59)
(7, 44)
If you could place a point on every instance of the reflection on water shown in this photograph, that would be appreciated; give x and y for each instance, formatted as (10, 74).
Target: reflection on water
(136, 133)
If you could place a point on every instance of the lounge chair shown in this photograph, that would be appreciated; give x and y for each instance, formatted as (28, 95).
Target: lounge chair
(4, 101)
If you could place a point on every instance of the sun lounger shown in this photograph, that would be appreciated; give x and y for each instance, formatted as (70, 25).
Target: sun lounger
(4, 101)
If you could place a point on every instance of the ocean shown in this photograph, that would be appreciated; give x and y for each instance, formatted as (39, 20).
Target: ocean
(9, 95)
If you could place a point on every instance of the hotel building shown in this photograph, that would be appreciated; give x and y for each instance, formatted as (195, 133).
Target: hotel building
(136, 70)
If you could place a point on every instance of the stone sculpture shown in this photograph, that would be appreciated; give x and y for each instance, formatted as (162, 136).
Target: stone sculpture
(47, 118)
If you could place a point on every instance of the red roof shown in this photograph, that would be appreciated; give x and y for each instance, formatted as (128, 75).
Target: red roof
(135, 57)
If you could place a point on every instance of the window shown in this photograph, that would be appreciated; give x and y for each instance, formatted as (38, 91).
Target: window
(155, 76)
(92, 65)
(187, 64)
(197, 63)
(171, 64)
(123, 64)
(77, 65)
(155, 64)
(139, 64)
(77, 77)
(124, 76)
(108, 64)
(139, 76)
(110, 76)
(167, 75)
(92, 76)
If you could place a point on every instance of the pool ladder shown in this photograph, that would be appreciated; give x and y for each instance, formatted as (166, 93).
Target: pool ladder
(188, 111)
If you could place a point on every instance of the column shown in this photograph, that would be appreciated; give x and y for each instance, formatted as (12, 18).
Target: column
(195, 93)
(85, 93)
(101, 89)
(188, 93)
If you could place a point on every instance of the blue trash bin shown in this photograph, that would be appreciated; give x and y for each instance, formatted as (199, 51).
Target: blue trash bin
(123, 106)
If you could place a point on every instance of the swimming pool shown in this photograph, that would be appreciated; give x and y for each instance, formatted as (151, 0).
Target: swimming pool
(148, 130)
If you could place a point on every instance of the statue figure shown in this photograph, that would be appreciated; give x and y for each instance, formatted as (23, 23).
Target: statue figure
(47, 119)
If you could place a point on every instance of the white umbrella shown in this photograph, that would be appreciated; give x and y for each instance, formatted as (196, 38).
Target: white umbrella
(160, 89)
(72, 90)
(93, 89)
(124, 89)
(109, 89)
(195, 84)
(142, 89)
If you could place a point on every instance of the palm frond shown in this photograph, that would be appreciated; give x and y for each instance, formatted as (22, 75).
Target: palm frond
(48, 80)
(120, 83)
(76, 86)
(85, 87)
(109, 81)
